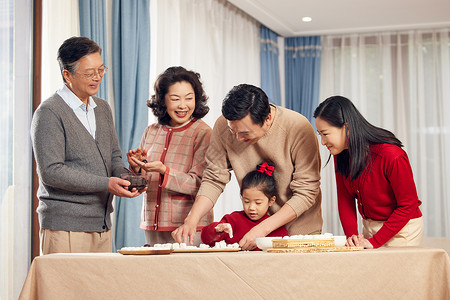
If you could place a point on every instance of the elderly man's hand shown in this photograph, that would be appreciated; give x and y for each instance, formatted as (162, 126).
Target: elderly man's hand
(119, 187)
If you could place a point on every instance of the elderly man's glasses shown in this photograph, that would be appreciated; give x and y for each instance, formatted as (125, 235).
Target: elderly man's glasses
(100, 72)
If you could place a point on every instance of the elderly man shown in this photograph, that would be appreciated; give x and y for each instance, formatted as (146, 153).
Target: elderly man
(78, 158)
(250, 131)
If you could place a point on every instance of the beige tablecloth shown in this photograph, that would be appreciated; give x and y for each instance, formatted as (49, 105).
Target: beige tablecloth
(387, 273)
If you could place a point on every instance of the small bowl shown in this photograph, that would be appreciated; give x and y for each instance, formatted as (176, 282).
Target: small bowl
(137, 180)
(265, 243)
(340, 240)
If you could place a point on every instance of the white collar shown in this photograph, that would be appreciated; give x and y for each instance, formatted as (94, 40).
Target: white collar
(73, 101)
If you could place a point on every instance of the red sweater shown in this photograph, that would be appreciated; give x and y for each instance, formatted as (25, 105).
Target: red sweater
(241, 224)
(385, 191)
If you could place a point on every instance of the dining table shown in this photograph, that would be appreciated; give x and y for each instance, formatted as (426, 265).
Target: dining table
(383, 273)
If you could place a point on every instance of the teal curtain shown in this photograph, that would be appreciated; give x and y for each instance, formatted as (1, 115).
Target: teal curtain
(93, 26)
(270, 72)
(302, 74)
(131, 68)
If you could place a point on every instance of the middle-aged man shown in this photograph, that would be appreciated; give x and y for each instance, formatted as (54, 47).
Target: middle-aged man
(250, 131)
(78, 156)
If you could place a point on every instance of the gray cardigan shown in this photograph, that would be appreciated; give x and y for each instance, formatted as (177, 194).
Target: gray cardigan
(73, 168)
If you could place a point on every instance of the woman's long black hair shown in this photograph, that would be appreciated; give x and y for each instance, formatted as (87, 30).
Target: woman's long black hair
(339, 111)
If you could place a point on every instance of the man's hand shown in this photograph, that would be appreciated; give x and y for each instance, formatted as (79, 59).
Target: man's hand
(284, 215)
(185, 233)
(248, 241)
(119, 187)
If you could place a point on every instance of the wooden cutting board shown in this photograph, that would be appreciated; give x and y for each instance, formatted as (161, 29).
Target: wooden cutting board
(314, 249)
(298, 243)
(145, 251)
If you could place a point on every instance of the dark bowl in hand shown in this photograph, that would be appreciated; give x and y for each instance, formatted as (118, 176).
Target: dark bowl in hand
(137, 180)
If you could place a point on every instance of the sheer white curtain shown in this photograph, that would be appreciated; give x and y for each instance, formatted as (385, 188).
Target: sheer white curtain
(399, 81)
(215, 39)
(16, 39)
(60, 21)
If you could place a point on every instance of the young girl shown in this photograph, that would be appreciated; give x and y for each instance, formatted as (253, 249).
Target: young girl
(372, 169)
(258, 192)
(173, 150)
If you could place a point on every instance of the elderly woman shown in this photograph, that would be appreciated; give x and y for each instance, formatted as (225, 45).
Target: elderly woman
(173, 150)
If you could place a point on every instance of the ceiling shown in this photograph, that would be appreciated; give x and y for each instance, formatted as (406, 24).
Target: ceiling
(346, 16)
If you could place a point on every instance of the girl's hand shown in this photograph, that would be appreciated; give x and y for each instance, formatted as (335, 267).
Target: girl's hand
(225, 227)
(152, 166)
(136, 155)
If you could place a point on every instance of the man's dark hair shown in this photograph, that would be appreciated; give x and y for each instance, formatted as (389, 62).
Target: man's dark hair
(246, 99)
(73, 49)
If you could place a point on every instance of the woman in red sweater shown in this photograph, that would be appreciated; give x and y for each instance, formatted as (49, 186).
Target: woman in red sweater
(258, 192)
(374, 171)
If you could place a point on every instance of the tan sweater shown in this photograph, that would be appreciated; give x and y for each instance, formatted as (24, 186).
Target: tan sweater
(292, 145)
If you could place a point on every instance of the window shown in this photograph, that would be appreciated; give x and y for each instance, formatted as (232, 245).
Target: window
(15, 146)
(6, 94)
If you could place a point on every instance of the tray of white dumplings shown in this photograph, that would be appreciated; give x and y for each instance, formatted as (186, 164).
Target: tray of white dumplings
(221, 246)
(180, 248)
